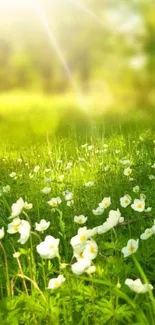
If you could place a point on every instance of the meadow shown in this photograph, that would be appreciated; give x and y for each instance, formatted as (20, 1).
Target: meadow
(77, 219)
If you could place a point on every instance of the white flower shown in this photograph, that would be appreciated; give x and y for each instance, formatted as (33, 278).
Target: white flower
(89, 184)
(67, 195)
(91, 270)
(48, 249)
(81, 237)
(148, 209)
(13, 227)
(16, 254)
(127, 171)
(105, 203)
(24, 231)
(153, 166)
(70, 203)
(36, 169)
(125, 200)
(142, 197)
(55, 283)
(136, 189)
(125, 161)
(42, 226)
(138, 205)
(98, 211)
(106, 168)
(114, 218)
(103, 228)
(48, 180)
(17, 208)
(80, 219)
(54, 202)
(13, 175)
(61, 177)
(137, 286)
(2, 233)
(19, 160)
(91, 250)
(47, 170)
(46, 190)
(147, 233)
(131, 248)
(80, 267)
(6, 189)
(151, 177)
(28, 206)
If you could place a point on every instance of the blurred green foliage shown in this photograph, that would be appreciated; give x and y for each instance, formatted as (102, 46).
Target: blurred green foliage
(109, 47)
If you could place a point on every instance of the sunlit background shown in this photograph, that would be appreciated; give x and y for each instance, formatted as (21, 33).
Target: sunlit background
(84, 58)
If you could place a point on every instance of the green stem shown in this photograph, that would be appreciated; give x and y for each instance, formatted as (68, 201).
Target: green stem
(6, 269)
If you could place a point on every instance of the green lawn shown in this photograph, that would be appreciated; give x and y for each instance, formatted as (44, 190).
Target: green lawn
(32, 134)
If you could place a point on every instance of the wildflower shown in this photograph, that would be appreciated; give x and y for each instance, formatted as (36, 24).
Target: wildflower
(36, 169)
(106, 202)
(138, 205)
(80, 267)
(89, 184)
(127, 171)
(80, 219)
(13, 175)
(67, 195)
(42, 226)
(136, 189)
(48, 180)
(19, 160)
(70, 203)
(48, 249)
(81, 237)
(54, 202)
(148, 209)
(24, 231)
(16, 254)
(28, 206)
(106, 168)
(114, 218)
(17, 208)
(2, 232)
(147, 234)
(137, 286)
(91, 269)
(47, 170)
(6, 189)
(125, 161)
(131, 247)
(125, 200)
(46, 190)
(98, 211)
(13, 227)
(151, 177)
(91, 250)
(56, 283)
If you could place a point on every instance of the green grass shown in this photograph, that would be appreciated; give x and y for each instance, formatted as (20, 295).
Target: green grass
(83, 300)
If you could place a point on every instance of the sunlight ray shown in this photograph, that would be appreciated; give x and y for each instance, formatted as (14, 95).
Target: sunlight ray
(55, 44)
(88, 11)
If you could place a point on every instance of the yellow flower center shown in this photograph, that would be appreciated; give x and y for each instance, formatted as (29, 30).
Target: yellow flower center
(139, 206)
(57, 283)
(126, 201)
(92, 249)
(82, 238)
(131, 249)
(80, 220)
(15, 227)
